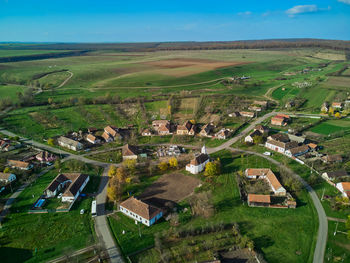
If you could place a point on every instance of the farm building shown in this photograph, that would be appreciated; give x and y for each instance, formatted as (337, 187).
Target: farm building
(344, 188)
(146, 132)
(6, 145)
(335, 158)
(207, 130)
(259, 200)
(222, 134)
(107, 137)
(198, 164)
(247, 114)
(7, 177)
(280, 120)
(337, 105)
(71, 184)
(184, 129)
(264, 130)
(269, 176)
(140, 211)
(113, 132)
(250, 137)
(69, 143)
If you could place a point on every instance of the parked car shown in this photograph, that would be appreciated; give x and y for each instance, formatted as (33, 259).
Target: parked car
(267, 153)
(60, 195)
(82, 211)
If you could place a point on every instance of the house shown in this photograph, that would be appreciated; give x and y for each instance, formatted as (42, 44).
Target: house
(280, 137)
(247, 114)
(297, 151)
(69, 143)
(298, 139)
(192, 131)
(19, 165)
(262, 129)
(157, 123)
(7, 177)
(71, 185)
(184, 129)
(129, 152)
(313, 146)
(337, 105)
(207, 130)
(222, 134)
(335, 175)
(234, 114)
(279, 146)
(92, 139)
(146, 132)
(140, 211)
(113, 132)
(164, 130)
(289, 104)
(199, 162)
(280, 120)
(45, 157)
(250, 137)
(259, 200)
(269, 176)
(344, 188)
(107, 137)
(335, 158)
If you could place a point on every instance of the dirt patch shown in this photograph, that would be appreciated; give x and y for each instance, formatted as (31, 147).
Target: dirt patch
(184, 67)
(170, 188)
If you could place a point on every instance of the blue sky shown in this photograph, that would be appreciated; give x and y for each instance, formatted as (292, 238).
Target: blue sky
(177, 20)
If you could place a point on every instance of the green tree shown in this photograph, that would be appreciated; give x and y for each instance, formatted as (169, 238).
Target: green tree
(7, 170)
(112, 171)
(258, 139)
(130, 164)
(57, 164)
(212, 168)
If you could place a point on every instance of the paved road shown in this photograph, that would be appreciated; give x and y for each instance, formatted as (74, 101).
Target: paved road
(322, 218)
(101, 226)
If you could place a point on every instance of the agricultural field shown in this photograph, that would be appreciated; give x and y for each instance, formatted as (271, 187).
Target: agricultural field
(272, 230)
(39, 237)
(341, 82)
(331, 126)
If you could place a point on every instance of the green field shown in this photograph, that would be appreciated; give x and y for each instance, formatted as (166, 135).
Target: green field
(38, 237)
(331, 126)
(25, 52)
(10, 91)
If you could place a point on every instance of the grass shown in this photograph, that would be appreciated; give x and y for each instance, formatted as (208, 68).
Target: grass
(338, 247)
(39, 237)
(331, 126)
(10, 91)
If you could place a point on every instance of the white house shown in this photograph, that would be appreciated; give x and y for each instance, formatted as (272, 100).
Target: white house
(344, 188)
(72, 185)
(198, 164)
(69, 143)
(297, 151)
(140, 211)
(7, 177)
(250, 137)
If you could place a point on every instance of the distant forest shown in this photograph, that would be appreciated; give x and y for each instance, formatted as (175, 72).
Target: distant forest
(158, 46)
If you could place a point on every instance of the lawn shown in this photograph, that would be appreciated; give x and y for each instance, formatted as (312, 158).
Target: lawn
(39, 237)
(272, 230)
(10, 91)
(338, 246)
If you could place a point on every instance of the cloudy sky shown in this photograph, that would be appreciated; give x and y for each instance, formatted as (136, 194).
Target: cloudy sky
(176, 20)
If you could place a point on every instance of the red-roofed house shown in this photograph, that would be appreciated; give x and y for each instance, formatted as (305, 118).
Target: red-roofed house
(344, 188)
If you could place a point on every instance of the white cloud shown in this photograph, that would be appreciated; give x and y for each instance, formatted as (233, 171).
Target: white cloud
(345, 1)
(246, 13)
(302, 9)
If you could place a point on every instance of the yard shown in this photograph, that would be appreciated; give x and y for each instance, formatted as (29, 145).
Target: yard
(331, 126)
(272, 230)
(39, 237)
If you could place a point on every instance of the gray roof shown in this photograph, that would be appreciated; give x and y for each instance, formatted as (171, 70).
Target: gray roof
(68, 141)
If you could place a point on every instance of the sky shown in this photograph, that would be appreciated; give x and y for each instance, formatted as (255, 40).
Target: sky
(176, 20)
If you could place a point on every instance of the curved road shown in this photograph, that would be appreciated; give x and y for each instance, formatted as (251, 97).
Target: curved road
(103, 230)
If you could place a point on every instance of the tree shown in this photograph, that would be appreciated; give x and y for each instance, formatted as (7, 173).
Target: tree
(112, 171)
(114, 189)
(163, 166)
(173, 162)
(7, 170)
(121, 174)
(130, 164)
(51, 142)
(57, 164)
(337, 115)
(257, 139)
(347, 225)
(212, 168)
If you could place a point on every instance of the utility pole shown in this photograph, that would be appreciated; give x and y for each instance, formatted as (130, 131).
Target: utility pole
(322, 194)
(336, 227)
